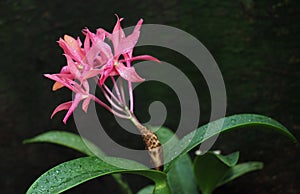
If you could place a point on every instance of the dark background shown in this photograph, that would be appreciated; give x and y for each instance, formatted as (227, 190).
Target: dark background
(255, 43)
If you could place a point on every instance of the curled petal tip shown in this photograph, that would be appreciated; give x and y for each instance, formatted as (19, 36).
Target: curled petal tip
(118, 18)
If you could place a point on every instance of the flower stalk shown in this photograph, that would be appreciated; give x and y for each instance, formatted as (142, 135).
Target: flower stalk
(152, 143)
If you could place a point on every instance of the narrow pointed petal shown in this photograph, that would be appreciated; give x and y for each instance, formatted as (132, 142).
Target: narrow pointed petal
(74, 105)
(117, 36)
(87, 41)
(118, 24)
(142, 57)
(128, 73)
(54, 77)
(118, 29)
(72, 67)
(63, 106)
(79, 44)
(71, 47)
(64, 79)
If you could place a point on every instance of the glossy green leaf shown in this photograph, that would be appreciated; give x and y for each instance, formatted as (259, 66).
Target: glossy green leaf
(146, 190)
(209, 171)
(230, 159)
(213, 170)
(74, 172)
(209, 130)
(66, 139)
(76, 142)
(181, 178)
(239, 170)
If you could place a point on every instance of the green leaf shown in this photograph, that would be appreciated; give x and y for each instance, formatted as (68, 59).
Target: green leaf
(67, 139)
(209, 130)
(181, 178)
(146, 190)
(239, 170)
(74, 172)
(209, 171)
(76, 142)
(230, 159)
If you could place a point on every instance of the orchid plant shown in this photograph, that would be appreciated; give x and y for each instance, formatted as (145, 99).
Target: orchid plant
(94, 60)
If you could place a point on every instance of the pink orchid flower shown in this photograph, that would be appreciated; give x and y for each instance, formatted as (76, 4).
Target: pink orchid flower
(76, 69)
(81, 94)
(93, 59)
(122, 46)
(77, 66)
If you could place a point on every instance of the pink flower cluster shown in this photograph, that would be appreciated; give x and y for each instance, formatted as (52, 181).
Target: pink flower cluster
(96, 60)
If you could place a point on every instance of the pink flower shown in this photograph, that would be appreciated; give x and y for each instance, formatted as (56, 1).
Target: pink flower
(122, 46)
(81, 94)
(72, 47)
(95, 59)
(76, 69)
(77, 66)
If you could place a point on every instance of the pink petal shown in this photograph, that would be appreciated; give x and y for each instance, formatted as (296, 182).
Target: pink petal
(100, 47)
(74, 105)
(85, 104)
(98, 56)
(128, 73)
(118, 31)
(72, 67)
(127, 44)
(141, 57)
(71, 48)
(101, 33)
(79, 44)
(65, 70)
(59, 76)
(64, 79)
(63, 106)
(91, 73)
(86, 86)
(118, 24)
(87, 40)
(107, 70)
(75, 87)
(55, 77)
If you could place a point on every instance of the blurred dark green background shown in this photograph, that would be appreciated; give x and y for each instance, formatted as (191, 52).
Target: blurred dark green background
(255, 43)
